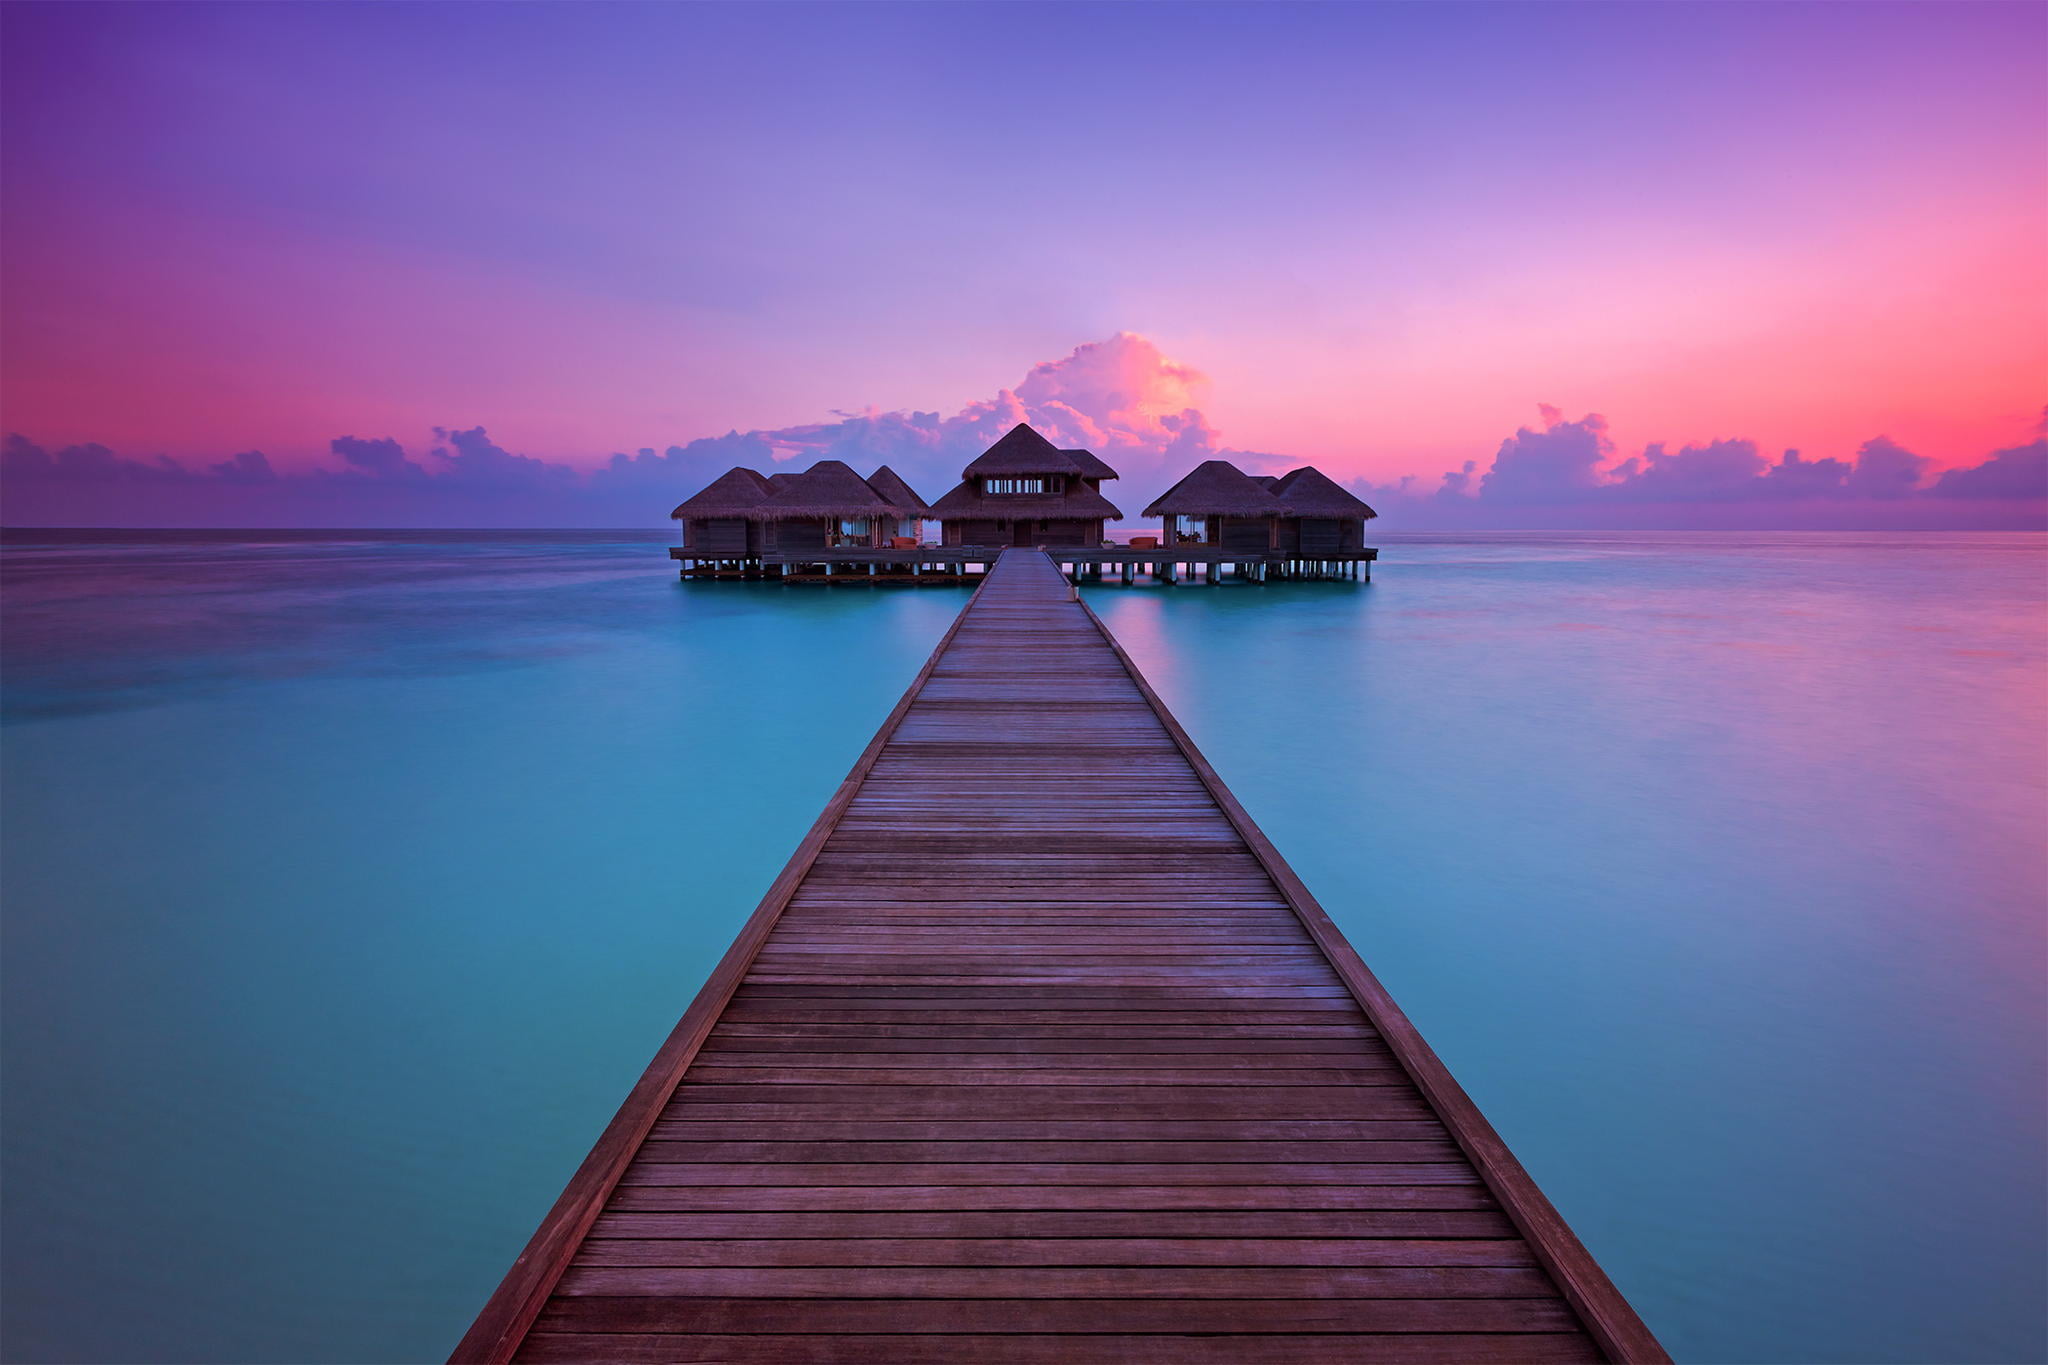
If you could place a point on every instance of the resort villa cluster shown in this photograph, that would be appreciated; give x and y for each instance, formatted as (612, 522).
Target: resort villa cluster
(828, 524)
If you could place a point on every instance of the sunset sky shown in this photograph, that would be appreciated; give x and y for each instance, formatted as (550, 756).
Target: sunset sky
(1374, 237)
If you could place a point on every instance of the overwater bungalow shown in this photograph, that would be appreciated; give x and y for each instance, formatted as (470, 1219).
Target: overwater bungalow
(1024, 490)
(906, 529)
(1218, 505)
(741, 515)
(1303, 514)
(723, 521)
(1321, 517)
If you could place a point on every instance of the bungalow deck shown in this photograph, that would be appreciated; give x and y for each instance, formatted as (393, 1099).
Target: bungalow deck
(942, 565)
(1037, 1051)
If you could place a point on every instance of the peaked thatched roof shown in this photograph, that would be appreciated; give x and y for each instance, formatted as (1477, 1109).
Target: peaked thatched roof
(1309, 492)
(1217, 488)
(828, 488)
(1080, 503)
(898, 494)
(735, 493)
(1022, 451)
(1267, 481)
(1091, 464)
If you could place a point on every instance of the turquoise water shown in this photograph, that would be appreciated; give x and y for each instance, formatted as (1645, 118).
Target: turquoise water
(346, 877)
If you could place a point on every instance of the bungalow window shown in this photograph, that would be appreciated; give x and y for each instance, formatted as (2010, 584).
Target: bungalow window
(1013, 486)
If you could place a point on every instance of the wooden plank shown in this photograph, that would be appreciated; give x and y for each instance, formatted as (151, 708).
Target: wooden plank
(783, 1076)
(927, 1281)
(1157, 1348)
(1024, 1227)
(1144, 1030)
(660, 1148)
(1053, 1101)
(1042, 1175)
(638, 1197)
(713, 1126)
(1035, 1047)
(1114, 1050)
(675, 1313)
(1226, 1252)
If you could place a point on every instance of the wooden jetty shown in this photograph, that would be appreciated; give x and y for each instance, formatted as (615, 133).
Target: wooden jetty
(1037, 1051)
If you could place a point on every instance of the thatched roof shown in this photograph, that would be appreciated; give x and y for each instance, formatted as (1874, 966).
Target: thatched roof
(1308, 492)
(738, 492)
(1217, 488)
(1091, 464)
(828, 488)
(1022, 451)
(897, 493)
(1080, 503)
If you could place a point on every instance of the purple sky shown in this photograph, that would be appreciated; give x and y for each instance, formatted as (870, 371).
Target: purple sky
(1375, 238)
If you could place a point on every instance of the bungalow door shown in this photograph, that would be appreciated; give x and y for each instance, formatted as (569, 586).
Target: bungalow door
(1020, 532)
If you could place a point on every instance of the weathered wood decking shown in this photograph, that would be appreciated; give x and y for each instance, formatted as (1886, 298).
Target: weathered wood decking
(1037, 1051)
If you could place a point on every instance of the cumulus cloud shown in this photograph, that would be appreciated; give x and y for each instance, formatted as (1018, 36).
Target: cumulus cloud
(1719, 471)
(1560, 461)
(1793, 477)
(1885, 469)
(2015, 472)
(383, 459)
(1120, 397)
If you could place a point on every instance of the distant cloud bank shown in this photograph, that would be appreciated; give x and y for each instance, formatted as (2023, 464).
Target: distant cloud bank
(1563, 474)
(1121, 398)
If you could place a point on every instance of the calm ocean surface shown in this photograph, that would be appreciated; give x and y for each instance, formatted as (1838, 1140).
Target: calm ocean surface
(344, 898)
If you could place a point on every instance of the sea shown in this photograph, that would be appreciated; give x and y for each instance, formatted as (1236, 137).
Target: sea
(351, 878)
